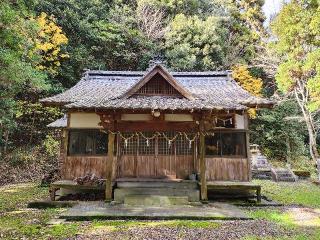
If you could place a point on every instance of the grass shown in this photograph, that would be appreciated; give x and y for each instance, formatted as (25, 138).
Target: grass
(286, 221)
(282, 218)
(300, 193)
(296, 237)
(115, 225)
(17, 196)
(19, 222)
(304, 194)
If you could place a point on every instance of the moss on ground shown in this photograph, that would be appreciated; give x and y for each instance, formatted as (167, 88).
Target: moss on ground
(121, 224)
(286, 222)
(282, 218)
(17, 196)
(299, 193)
(19, 222)
(316, 236)
(304, 194)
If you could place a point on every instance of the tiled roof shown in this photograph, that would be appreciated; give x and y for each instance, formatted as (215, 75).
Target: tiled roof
(105, 90)
(60, 123)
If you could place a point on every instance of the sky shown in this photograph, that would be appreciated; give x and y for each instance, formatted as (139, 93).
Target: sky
(272, 7)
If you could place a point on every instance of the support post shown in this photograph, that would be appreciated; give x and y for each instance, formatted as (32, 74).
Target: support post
(63, 152)
(109, 167)
(249, 157)
(203, 179)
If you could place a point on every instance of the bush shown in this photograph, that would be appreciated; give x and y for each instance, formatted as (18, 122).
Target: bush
(23, 155)
(51, 146)
(30, 163)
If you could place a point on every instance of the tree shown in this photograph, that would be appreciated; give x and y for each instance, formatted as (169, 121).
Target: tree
(279, 138)
(242, 75)
(150, 21)
(253, 85)
(102, 35)
(250, 11)
(17, 67)
(245, 25)
(297, 31)
(30, 51)
(195, 44)
(48, 45)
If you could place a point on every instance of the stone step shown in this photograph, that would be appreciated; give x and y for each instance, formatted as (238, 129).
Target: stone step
(284, 175)
(287, 179)
(158, 184)
(155, 200)
(283, 172)
(120, 193)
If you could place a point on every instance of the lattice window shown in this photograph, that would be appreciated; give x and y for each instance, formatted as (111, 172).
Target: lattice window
(129, 147)
(87, 142)
(183, 146)
(160, 144)
(226, 144)
(157, 86)
(164, 148)
(147, 147)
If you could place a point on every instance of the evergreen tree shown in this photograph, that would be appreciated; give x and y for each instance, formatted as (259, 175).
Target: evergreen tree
(297, 31)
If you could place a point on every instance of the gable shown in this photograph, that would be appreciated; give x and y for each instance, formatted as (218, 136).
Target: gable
(157, 85)
(159, 82)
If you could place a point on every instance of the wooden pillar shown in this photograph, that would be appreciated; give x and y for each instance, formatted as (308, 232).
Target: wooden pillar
(63, 152)
(203, 179)
(249, 157)
(109, 167)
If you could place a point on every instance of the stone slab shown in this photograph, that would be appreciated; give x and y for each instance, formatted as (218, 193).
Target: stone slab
(147, 200)
(158, 184)
(121, 193)
(101, 210)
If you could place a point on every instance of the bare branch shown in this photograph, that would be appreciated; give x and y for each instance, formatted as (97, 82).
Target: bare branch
(150, 22)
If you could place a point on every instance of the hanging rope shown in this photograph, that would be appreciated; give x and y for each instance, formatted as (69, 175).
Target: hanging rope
(224, 120)
(149, 138)
(172, 139)
(190, 140)
(157, 134)
(126, 139)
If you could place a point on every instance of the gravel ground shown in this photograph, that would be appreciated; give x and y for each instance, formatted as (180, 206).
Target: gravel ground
(227, 230)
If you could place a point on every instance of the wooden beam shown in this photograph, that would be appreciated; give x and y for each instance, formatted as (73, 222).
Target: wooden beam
(109, 167)
(203, 190)
(131, 126)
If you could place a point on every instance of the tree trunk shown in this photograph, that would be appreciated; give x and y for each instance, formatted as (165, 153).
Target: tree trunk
(6, 140)
(311, 131)
(313, 145)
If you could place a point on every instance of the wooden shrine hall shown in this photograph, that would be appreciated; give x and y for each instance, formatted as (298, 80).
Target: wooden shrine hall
(156, 126)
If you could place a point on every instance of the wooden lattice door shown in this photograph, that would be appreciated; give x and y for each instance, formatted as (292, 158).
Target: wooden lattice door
(146, 156)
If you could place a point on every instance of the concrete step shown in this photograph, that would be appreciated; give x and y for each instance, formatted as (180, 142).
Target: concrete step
(158, 184)
(155, 200)
(120, 193)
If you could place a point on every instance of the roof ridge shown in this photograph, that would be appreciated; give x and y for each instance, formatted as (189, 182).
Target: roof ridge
(140, 73)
